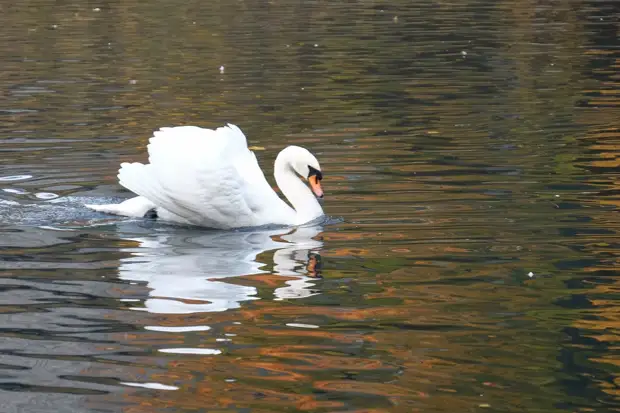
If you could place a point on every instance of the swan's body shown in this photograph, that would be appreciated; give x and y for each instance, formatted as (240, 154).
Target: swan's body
(210, 178)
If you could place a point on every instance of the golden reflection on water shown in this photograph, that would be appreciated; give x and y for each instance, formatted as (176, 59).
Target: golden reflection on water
(465, 145)
(600, 318)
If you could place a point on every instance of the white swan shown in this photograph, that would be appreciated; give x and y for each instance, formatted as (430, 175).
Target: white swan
(210, 178)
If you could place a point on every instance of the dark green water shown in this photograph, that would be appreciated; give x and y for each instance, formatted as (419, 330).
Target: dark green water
(465, 145)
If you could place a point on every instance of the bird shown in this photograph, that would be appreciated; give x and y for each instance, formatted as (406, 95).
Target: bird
(209, 178)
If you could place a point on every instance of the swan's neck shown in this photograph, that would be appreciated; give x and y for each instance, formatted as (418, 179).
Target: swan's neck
(298, 194)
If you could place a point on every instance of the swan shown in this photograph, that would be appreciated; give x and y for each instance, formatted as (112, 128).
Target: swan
(209, 178)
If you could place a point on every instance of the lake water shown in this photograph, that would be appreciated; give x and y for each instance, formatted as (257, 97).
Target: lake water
(471, 160)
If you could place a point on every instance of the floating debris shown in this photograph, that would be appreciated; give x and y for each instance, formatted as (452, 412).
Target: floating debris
(530, 274)
(222, 69)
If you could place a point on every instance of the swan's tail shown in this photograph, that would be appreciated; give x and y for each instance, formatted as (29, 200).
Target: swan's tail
(136, 207)
(108, 208)
(137, 178)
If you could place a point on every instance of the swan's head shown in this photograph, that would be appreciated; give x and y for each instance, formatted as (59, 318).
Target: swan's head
(306, 165)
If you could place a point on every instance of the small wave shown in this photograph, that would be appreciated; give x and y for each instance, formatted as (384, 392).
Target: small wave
(58, 213)
(11, 178)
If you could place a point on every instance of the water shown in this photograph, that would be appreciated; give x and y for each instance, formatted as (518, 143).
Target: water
(470, 148)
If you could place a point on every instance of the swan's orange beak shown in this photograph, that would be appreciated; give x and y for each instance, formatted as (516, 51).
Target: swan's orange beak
(315, 184)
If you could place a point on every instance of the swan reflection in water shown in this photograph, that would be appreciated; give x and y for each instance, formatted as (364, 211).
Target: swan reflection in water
(188, 273)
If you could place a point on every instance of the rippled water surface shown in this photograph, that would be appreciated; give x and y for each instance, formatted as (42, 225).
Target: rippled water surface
(471, 161)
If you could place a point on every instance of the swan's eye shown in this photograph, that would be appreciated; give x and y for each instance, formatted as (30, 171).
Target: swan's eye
(314, 172)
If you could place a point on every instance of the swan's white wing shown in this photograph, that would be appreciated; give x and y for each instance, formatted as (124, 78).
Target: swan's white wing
(261, 198)
(207, 177)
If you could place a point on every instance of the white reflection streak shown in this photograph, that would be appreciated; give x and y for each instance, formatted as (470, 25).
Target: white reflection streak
(154, 386)
(287, 261)
(186, 274)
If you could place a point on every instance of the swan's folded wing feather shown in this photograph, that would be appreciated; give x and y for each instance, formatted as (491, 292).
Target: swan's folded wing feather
(210, 196)
(259, 195)
(192, 174)
(223, 144)
(141, 180)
